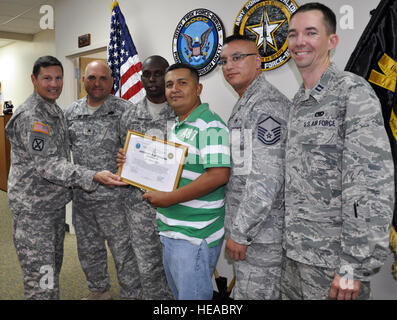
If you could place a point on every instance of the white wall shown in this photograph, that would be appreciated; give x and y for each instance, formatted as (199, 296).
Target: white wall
(16, 64)
(152, 24)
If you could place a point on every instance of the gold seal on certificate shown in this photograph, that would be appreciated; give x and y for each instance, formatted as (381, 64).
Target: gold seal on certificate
(152, 164)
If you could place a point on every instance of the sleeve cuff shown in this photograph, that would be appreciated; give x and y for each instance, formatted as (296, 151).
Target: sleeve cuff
(88, 181)
(240, 238)
(354, 272)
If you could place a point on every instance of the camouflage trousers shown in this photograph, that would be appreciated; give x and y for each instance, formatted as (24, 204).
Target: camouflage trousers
(38, 240)
(148, 251)
(300, 281)
(258, 277)
(96, 222)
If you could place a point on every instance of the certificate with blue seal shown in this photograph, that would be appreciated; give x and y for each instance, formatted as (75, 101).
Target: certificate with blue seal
(152, 163)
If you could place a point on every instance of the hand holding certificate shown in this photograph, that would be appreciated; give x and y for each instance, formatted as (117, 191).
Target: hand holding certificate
(152, 164)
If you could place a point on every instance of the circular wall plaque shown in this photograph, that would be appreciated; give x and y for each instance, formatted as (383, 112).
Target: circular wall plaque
(198, 40)
(266, 22)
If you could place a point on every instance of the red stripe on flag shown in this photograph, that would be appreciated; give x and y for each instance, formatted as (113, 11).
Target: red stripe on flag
(131, 71)
(133, 90)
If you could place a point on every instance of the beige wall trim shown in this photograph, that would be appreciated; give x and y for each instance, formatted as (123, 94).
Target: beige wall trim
(16, 36)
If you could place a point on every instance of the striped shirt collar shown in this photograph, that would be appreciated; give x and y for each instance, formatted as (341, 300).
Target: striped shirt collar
(196, 113)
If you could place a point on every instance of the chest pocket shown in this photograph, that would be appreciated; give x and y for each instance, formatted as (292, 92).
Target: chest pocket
(320, 145)
(91, 132)
(139, 125)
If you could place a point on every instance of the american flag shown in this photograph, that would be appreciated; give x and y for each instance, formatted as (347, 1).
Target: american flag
(123, 59)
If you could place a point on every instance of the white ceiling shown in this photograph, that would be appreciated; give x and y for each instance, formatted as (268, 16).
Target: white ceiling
(19, 19)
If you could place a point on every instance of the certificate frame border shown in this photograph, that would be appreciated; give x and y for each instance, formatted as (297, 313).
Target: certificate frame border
(153, 138)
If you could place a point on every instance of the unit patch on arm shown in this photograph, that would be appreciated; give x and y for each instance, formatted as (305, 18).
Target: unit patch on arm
(38, 138)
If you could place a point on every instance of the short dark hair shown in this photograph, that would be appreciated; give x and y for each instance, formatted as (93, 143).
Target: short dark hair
(236, 37)
(155, 58)
(328, 15)
(45, 61)
(192, 69)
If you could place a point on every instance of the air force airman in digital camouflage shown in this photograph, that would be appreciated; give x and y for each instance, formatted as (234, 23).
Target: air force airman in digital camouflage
(40, 179)
(254, 197)
(339, 172)
(150, 116)
(93, 124)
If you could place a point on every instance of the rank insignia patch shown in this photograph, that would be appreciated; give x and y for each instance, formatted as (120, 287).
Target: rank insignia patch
(266, 22)
(269, 131)
(198, 40)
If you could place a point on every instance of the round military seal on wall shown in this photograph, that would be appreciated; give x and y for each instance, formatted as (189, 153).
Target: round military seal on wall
(266, 22)
(198, 40)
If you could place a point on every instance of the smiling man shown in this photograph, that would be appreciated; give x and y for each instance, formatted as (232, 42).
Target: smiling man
(191, 218)
(149, 116)
(99, 216)
(339, 186)
(254, 194)
(40, 180)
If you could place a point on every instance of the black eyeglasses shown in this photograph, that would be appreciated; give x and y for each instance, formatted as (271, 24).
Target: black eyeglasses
(235, 58)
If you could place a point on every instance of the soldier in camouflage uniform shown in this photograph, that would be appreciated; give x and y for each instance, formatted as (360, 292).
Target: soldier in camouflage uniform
(93, 124)
(254, 195)
(339, 172)
(40, 179)
(151, 117)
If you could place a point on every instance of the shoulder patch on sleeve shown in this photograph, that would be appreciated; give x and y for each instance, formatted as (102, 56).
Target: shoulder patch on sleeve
(38, 144)
(40, 127)
(269, 131)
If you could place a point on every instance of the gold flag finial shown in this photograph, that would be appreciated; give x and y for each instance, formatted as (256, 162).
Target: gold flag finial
(115, 3)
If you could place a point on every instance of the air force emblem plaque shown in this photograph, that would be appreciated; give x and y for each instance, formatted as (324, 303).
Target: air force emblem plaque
(269, 131)
(198, 40)
(266, 22)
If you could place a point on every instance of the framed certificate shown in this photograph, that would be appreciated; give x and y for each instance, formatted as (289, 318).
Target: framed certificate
(152, 163)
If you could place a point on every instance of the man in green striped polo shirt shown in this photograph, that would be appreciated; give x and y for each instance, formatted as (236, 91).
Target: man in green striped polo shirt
(191, 218)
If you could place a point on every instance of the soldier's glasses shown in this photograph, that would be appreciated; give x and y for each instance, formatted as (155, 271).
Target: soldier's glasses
(235, 58)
